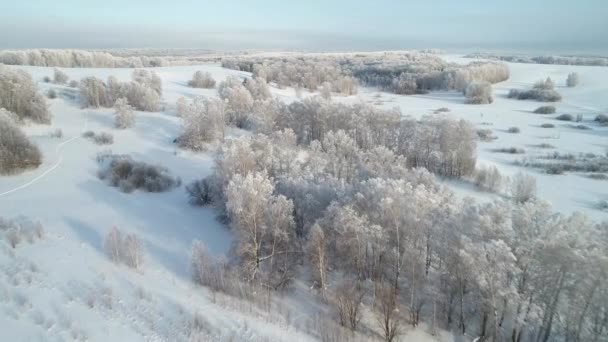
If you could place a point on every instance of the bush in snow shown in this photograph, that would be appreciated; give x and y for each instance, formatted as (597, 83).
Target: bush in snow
(57, 133)
(102, 138)
(60, 77)
(572, 80)
(541, 91)
(478, 92)
(16, 151)
(73, 84)
(523, 187)
(513, 130)
(488, 178)
(127, 249)
(602, 119)
(181, 107)
(20, 229)
(123, 172)
(124, 116)
(206, 270)
(565, 117)
(543, 95)
(52, 94)
(19, 94)
(485, 134)
(201, 192)
(545, 110)
(511, 150)
(202, 80)
(547, 125)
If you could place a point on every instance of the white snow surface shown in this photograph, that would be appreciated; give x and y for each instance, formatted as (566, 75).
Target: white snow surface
(63, 287)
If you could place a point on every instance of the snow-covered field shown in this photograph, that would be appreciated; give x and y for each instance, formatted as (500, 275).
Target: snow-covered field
(63, 287)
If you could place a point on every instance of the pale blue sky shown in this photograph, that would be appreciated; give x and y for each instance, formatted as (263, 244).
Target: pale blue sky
(306, 24)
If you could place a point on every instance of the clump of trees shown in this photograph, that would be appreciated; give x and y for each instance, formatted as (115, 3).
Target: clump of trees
(202, 80)
(76, 59)
(478, 93)
(309, 73)
(144, 92)
(542, 91)
(497, 269)
(561, 60)
(17, 152)
(127, 174)
(572, 80)
(203, 123)
(124, 248)
(19, 94)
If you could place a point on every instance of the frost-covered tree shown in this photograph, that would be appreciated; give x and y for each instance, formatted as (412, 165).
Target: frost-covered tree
(124, 117)
(317, 246)
(17, 152)
(202, 80)
(572, 80)
(19, 94)
(203, 123)
(264, 227)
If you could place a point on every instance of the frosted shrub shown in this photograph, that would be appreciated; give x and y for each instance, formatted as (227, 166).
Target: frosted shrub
(489, 178)
(124, 116)
(19, 94)
(572, 80)
(123, 172)
(102, 138)
(202, 80)
(52, 94)
(16, 151)
(602, 119)
(182, 107)
(201, 191)
(207, 270)
(60, 77)
(523, 187)
(478, 93)
(485, 134)
(565, 117)
(545, 110)
(513, 130)
(20, 229)
(127, 249)
(541, 91)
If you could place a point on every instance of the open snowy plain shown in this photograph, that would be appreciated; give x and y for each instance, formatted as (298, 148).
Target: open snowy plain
(63, 287)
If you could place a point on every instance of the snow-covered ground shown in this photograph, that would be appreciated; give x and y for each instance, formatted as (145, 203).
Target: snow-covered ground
(63, 286)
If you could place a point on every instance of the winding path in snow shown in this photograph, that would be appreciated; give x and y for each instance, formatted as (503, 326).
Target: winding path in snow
(49, 170)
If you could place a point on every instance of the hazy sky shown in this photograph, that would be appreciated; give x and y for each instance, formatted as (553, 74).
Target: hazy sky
(306, 24)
